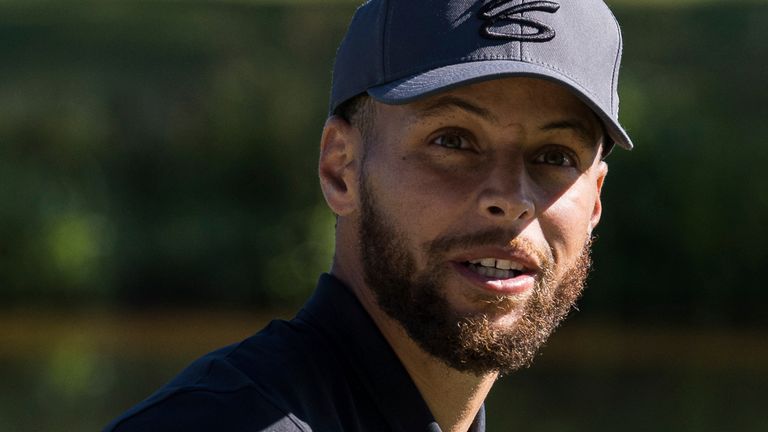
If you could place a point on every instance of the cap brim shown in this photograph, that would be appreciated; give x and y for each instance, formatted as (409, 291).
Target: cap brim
(445, 78)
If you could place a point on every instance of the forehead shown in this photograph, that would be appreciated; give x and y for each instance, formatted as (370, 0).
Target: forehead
(519, 96)
(528, 103)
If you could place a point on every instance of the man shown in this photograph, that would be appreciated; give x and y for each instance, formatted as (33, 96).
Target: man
(464, 160)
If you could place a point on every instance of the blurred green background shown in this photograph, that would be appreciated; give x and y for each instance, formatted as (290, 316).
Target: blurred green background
(158, 199)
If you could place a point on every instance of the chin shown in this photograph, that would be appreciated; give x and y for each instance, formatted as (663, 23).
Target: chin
(503, 311)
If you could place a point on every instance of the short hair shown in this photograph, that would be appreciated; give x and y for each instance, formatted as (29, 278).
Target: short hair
(359, 112)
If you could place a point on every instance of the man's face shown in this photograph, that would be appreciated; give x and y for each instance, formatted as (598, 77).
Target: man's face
(477, 207)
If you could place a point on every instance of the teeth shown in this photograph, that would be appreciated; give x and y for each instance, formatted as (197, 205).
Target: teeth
(493, 272)
(492, 263)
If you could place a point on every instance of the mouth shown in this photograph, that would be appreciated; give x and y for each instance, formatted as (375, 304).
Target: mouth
(498, 276)
(495, 268)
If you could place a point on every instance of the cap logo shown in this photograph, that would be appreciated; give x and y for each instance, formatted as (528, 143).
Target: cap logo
(499, 14)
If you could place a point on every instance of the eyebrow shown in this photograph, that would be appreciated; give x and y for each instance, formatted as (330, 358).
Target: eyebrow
(585, 133)
(444, 104)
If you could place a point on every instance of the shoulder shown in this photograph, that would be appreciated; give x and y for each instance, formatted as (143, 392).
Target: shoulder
(261, 384)
(195, 410)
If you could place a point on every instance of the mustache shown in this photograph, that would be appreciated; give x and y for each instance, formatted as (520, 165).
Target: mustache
(496, 237)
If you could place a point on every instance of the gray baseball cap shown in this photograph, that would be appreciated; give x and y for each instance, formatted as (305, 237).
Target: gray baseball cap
(401, 50)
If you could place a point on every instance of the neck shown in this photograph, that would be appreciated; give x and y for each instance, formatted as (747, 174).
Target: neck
(453, 397)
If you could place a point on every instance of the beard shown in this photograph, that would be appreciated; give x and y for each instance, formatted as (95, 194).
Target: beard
(470, 343)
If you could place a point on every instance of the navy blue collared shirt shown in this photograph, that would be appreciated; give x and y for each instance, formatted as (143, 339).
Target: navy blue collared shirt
(327, 370)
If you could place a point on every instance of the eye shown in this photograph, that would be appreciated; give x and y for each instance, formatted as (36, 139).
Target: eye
(452, 140)
(556, 157)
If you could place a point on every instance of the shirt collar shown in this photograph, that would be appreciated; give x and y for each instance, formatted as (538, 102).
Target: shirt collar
(337, 311)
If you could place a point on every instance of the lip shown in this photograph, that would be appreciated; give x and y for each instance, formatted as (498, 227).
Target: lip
(518, 285)
(530, 263)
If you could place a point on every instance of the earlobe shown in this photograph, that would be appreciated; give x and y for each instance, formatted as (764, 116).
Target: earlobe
(597, 210)
(339, 160)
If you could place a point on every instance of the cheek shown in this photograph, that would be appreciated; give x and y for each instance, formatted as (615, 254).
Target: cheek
(424, 195)
(565, 224)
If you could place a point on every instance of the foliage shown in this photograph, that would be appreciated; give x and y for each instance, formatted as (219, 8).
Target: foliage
(163, 154)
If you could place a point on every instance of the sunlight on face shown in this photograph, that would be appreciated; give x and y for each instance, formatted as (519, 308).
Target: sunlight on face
(476, 212)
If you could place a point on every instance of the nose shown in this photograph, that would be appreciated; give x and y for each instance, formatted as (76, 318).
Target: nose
(507, 194)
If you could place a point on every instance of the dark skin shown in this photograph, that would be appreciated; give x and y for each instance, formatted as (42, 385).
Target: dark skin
(518, 154)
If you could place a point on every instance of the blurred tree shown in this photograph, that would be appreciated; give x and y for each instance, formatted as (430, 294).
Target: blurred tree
(163, 153)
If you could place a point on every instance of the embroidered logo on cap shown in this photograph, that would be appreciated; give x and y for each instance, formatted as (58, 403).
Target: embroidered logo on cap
(501, 14)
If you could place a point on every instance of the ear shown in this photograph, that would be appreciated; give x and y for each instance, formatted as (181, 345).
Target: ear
(597, 210)
(340, 154)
